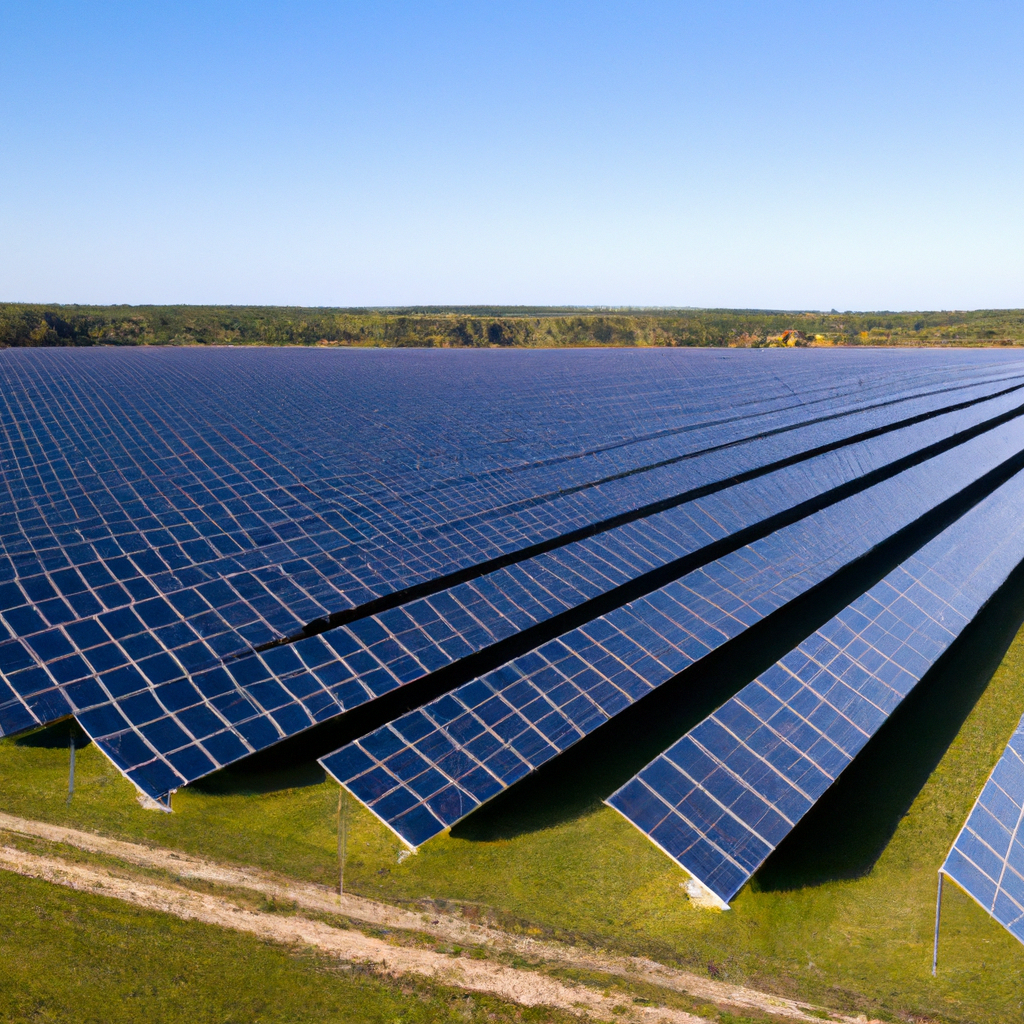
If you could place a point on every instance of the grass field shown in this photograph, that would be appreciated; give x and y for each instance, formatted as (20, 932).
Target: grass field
(842, 914)
(67, 956)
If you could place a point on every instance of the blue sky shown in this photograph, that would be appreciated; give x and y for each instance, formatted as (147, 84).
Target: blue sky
(784, 155)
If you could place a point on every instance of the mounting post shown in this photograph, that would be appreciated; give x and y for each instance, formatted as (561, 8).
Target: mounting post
(938, 914)
(342, 836)
(71, 769)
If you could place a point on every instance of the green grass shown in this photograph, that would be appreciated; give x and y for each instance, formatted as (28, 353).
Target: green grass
(71, 957)
(842, 914)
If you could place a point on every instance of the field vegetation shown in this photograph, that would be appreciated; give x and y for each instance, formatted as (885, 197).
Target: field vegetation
(74, 957)
(24, 324)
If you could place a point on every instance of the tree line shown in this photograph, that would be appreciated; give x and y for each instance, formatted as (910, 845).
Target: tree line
(24, 324)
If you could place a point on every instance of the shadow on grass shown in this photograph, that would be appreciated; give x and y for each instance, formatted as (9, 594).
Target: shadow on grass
(845, 833)
(858, 815)
(52, 737)
(577, 781)
(245, 781)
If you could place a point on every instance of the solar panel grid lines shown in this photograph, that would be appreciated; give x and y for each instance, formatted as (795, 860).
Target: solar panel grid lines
(484, 736)
(987, 857)
(144, 477)
(708, 396)
(264, 582)
(824, 394)
(396, 598)
(631, 471)
(281, 626)
(532, 499)
(393, 652)
(723, 797)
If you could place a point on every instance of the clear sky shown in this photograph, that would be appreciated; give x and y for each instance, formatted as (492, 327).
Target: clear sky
(856, 155)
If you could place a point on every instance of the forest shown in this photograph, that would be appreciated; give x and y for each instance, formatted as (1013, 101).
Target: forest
(24, 324)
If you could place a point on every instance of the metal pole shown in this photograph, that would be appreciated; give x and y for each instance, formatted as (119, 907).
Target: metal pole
(71, 770)
(342, 837)
(938, 913)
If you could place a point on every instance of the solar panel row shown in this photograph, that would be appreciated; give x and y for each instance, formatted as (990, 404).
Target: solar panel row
(129, 415)
(272, 564)
(722, 798)
(195, 543)
(987, 857)
(424, 771)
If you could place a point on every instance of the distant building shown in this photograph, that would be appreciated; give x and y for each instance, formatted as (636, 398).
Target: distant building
(790, 339)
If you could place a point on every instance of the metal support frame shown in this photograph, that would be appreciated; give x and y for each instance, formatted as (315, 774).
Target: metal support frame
(342, 837)
(938, 915)
(71, 769)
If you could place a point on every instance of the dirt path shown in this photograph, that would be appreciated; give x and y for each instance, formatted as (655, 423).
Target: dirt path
(525, 987)
(522, 986)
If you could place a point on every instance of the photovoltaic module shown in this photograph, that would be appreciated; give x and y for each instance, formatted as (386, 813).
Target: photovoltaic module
(492, 555)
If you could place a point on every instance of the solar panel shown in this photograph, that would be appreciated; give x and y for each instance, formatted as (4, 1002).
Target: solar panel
(987, 857)
(722, 798)
(426, 770)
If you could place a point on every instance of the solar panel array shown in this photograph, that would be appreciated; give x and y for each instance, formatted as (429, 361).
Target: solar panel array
(174, 524)
(192, 725)
(724, 796)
